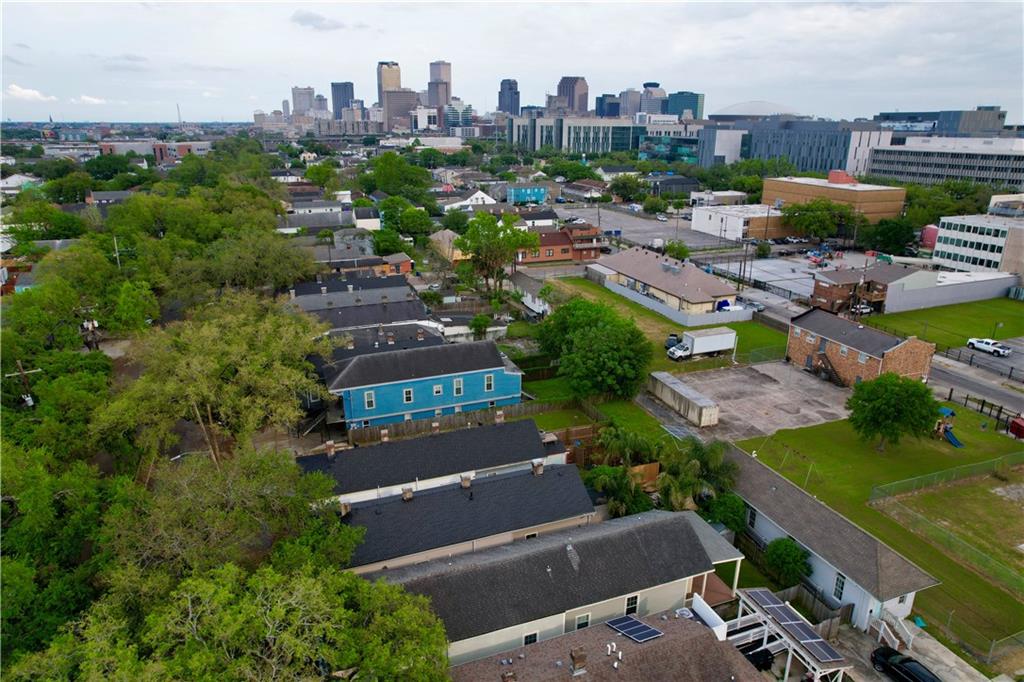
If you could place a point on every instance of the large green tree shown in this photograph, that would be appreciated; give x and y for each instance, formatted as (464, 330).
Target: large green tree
(821, 218)
(258, 259)
(555, 334)
(891, 407)
(628, 188)
(890, 235)
(787, 561)
(234, 367)
(415, 222)
(69, 189)
(609, 358)
(492, 245)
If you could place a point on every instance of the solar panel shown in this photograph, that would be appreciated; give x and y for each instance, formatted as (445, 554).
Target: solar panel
(783, 614)
(801, 631)
(634, 629)
(822, 651)
(764, 597)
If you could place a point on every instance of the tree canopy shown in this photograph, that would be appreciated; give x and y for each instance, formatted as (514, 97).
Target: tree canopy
(891, 407)
(492, 244)
(820, 218)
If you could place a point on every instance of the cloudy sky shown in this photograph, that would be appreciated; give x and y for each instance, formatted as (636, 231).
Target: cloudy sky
(222, 61)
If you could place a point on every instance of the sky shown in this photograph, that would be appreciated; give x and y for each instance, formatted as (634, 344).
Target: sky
(86, 61)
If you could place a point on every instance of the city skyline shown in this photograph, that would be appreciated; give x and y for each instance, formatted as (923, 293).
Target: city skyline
(832, 60)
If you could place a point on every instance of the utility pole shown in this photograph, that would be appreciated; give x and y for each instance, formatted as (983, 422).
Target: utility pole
(117, 253)
(23, 373)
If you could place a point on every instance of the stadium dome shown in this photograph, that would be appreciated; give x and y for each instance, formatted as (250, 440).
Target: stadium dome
(756, 108)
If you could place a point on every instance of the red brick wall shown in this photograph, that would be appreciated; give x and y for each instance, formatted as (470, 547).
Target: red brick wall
(848, 367)
(831, 297)
(912, 358)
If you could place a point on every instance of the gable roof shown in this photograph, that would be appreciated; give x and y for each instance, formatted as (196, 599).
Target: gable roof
(369, 340)
(540, 214)
(849, 333)
(418, 363)
(365, 213)
(887, 273)
(440, 517)
(613, 168)
(555, 572)
(343, 298)
(525, 283)
(441, 454)
(690, 283)
(342, 283)
(380, 313)
(860, 556)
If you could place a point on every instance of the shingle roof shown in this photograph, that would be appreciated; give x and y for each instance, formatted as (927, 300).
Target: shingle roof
(366, 213)
(365, 315)
(858, 555)
(315, 221)
(98, 195)
(542, 214)
(611, 168)
(886, 273)
(687, 651)
(555, 572)
(846, 332)
(369, 370)
(525, 283)
(442, 454)
(346, 299)
(449, 515)
(370, 340)
(342, 283)
(690, 282)
(318, 203)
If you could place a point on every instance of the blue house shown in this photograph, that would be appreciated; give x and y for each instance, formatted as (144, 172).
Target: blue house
(425, 382)
(523, 193)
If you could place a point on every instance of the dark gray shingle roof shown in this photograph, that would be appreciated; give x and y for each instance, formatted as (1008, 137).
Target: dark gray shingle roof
(840, 330)
(369, 370)
(382, 313)
(446, 516)
(342, 283)
(859, 555)
(555, 572)
(347, 299)
(454, 452)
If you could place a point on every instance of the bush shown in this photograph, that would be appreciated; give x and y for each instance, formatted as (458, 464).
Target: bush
(431, 298)
(729, 510)
(764, 250)
(787, 561)
(655, 205)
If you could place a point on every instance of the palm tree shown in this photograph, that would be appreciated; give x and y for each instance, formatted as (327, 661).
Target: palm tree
(627, 447)
(694, 470)
(621, 490)
(716, 474)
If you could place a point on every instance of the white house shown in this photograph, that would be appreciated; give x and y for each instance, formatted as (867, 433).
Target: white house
(466, 201)
(530, 290)
(13, 184)
(317, 206)
(848, 564)
(609, 172)
(367, 218)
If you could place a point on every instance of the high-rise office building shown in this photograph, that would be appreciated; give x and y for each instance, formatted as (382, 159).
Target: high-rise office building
(607, 106)
(681, 102)
(320, 103)
(508, 96)
(302, 100)
(653, 98)
(576, 93)
(458, 114)
(397, 107)
(441, 71)
(286, 107)
(629, 102)
(342, 95)
(389, 77)
(439, 93)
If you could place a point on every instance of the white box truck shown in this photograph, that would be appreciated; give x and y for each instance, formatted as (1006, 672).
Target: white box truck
(703, 342)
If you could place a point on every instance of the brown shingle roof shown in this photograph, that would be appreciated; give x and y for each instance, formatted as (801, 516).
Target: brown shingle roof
(687, 281)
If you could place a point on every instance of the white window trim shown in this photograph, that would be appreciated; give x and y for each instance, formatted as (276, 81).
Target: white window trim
(369, 400)
(636, 608)
(408, 396)
(457, 386)
(536, 638)
(577, 621)
(862, 358)
(488, 380)
(839, 586)
(438, 389)
(843, 350)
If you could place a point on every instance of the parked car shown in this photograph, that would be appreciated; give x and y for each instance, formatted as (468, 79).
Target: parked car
(753, 305)
(672, 340)
(662, 218)
(862, 309)
(900, 667)
(560, 200)
(989, 346)
(792, 240)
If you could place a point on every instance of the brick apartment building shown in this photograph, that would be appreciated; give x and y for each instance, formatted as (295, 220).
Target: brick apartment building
(838, 290)
(875, 202)
(847, 352)
(570, 243)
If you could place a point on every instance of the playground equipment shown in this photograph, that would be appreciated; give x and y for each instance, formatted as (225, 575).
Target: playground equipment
(944, 427)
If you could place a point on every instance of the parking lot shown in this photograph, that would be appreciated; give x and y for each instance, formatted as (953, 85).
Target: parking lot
(792, 273)
(642, 229)
(759, 400)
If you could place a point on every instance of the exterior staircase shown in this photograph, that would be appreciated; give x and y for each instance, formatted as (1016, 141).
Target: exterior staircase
(823, 368)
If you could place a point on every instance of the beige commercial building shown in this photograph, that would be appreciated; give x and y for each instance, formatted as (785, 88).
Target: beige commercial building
(875, 202)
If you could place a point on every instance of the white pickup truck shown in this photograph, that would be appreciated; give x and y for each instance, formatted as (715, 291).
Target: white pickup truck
(989, 346)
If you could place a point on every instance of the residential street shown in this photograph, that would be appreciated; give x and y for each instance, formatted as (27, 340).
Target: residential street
(946, 374)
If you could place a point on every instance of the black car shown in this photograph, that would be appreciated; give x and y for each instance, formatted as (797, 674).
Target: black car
(900, 667)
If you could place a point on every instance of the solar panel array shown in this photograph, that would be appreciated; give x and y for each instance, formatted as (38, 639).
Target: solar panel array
(795, 625)
(634, 629)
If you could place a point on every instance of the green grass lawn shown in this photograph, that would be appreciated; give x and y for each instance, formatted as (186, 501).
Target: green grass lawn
(974, 512)
(521, 329)
(547, 390)
(752, 336)
(629, 415)
(844, 471)
(952, 325)
(560, 419)
(750, 576)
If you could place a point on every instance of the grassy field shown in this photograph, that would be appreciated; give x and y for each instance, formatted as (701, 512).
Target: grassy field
(629, 415)
(547, 390)
(560, 419)
(831, 462)
(973, 511)
(952, 325)
(752, 335)
(521, 330)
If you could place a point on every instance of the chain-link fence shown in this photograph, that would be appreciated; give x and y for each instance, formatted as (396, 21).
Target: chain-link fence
(909, 485)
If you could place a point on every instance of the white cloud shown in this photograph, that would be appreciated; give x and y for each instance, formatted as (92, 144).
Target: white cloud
(87, 99)
(317, 22)
(15, 91)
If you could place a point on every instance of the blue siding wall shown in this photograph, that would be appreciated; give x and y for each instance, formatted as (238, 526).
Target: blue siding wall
(525, 195)
(390, 406)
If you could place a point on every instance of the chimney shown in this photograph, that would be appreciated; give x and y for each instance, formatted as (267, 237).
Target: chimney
(538, 467)
(391, 338)
(350, 287)
(579, 661)
(466, 481)
(406, 494)
(323, 291)
(351, 343)
(383, 435)
(344, 508)
(508, 676)
(291, 294)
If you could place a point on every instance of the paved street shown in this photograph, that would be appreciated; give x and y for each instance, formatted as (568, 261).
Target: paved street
(946, 374)
(999, 365)
(640, 228)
